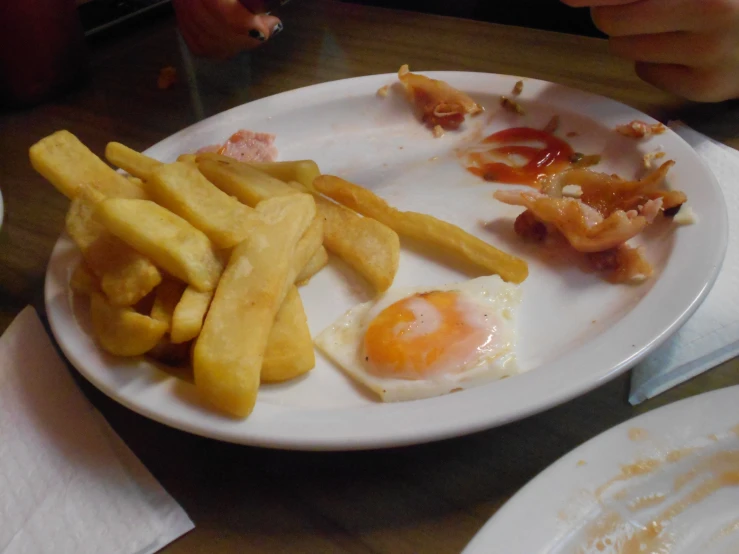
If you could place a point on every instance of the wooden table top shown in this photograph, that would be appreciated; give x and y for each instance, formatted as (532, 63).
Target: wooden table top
(430, 498)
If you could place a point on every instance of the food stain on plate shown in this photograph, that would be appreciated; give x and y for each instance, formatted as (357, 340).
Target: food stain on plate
(637, 434)
(685, 500)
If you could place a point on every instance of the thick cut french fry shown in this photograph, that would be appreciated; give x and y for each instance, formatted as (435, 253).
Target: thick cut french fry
(188, 316)
(250, 186)
(168, 295)
(228, 354)
(80, 220)
(131, 278)
(134, 163)
(310, 256)
(187, 159)
(83, 280)
(301, 171)
(68, 165)
(308, 245)
(314, 265)
(122, 331)
(167, 239)
(170, 354)
(289, 352)
(425, 228)
(369, 247)
(182, 189)
(125, 275)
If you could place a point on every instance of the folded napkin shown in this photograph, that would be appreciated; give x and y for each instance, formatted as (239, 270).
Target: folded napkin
(68, 483)
(711, 336)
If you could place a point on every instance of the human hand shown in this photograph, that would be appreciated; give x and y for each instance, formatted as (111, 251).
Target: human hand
(223, 28)
(688, 47)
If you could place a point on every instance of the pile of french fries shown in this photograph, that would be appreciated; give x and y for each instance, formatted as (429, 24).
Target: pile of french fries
(197, 262)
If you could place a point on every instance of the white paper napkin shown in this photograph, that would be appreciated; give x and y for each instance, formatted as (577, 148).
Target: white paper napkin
(711, 336)
(68, 483)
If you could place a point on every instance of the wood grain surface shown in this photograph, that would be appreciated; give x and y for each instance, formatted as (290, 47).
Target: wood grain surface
(426, 499)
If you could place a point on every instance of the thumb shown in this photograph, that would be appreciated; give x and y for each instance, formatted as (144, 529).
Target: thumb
(269, 25)
(263, 27)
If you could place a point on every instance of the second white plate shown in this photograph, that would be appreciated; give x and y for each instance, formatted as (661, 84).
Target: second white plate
(664, 482)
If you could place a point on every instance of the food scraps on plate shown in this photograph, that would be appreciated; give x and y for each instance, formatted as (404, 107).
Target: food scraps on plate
(198, 263)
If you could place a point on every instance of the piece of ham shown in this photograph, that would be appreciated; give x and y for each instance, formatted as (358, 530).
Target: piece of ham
(246, 146)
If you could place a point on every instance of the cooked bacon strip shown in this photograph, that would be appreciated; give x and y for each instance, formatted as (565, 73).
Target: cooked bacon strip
(609, 193)
(437, 102)
(584, 227)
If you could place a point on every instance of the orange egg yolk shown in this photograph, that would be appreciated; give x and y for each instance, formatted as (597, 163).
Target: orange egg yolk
(422, 335)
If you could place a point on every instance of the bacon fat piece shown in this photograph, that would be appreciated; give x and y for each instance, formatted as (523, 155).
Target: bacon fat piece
(438, 103)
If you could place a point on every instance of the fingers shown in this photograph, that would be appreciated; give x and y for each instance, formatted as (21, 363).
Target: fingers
(697, 84)
(201, 32)
(688, 47)
(255, 6)
(272, 24)
(593, 3)
(223, 28)
(644, 17)
(233, 16)
(683, 48)
(257, 27)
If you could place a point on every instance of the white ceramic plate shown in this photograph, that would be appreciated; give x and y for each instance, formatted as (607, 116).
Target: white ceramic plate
(575, 331)
(677, 466)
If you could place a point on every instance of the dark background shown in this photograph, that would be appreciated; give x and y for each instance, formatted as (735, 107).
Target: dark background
(540, 14)
(97, 15)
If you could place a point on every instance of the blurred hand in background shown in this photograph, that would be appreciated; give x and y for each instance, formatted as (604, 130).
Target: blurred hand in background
(687, 47)
(223, 28)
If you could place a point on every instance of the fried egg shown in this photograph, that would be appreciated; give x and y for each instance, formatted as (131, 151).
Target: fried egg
(415, 343)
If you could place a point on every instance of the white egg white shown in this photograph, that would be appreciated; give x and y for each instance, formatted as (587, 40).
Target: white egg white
(343, 342)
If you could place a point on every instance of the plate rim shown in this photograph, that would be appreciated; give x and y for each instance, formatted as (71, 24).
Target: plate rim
(351, 442)
(480, 541)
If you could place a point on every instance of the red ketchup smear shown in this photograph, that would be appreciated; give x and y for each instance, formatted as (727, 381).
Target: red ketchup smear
(553, 157)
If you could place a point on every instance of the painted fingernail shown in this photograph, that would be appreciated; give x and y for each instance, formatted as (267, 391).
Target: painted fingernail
(257, 34)
(277, 29)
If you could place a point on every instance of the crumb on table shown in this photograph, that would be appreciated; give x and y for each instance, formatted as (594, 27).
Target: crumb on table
(167, 78)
